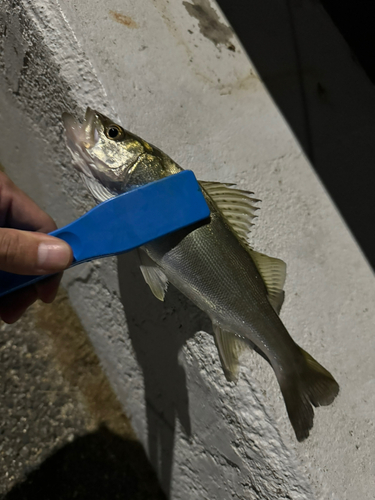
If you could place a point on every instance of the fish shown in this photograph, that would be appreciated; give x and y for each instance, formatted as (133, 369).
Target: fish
(213, 265)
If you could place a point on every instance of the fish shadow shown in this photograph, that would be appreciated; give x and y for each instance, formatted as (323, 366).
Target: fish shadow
(158, 330)
(97, 466)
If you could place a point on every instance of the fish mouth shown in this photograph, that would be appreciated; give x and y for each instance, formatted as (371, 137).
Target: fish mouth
(80, 138)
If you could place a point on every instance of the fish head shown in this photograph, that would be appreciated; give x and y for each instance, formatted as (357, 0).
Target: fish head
(110, 159)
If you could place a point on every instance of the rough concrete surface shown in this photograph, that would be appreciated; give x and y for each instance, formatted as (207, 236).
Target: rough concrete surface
(157, 67)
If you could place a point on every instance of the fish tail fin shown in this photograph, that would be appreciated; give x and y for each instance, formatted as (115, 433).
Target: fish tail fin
(312, 385)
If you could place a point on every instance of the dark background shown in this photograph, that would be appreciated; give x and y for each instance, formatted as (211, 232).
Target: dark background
(356, 22)
(278, 36)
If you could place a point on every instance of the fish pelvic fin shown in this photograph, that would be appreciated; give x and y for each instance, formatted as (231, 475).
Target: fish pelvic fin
(229, 346)
(153, 275)
(312, 386)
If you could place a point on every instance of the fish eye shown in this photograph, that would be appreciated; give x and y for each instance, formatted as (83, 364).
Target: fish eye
(114, 132)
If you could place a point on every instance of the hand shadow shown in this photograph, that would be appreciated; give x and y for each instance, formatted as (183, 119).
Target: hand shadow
(97, 466)
(158, 330)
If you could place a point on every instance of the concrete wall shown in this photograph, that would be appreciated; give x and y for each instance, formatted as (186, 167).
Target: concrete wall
(174, 73)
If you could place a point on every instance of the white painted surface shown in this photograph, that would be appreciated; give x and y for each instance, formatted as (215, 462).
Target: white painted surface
(203, 105)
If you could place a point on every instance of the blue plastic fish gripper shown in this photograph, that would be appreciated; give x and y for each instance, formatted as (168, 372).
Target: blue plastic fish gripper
(127, 221)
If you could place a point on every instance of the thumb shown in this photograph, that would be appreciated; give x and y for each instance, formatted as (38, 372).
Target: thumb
(26, 252)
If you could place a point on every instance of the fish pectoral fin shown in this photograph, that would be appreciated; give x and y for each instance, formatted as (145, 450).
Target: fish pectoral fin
(273, 272)
(153, 275)
(230, 347)
(237, 206)
(97, 190)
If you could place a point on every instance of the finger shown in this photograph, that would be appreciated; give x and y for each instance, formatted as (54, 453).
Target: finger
(24, 252)
(19, 211)
(47, 288)
(13, 306)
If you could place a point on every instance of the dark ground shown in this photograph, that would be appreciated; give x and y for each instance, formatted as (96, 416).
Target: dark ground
(63, 434)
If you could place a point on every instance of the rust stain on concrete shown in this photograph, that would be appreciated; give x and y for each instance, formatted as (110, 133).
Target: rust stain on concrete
(122, 19)
(209, 23)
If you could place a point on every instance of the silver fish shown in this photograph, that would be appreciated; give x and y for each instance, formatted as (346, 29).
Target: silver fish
(240, 289)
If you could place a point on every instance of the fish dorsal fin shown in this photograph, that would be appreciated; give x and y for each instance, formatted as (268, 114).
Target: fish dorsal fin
(230, 347)
(237, 206)
(153, 275)
(273, 272)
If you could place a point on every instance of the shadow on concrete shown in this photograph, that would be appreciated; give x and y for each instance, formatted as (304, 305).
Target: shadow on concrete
(98, 466)
(158, 330)
(324, 95)
(355, 21)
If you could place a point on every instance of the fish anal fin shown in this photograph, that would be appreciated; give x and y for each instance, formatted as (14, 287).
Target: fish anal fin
(311, 386)
(273, 272)
(153, 275)
(230, 347)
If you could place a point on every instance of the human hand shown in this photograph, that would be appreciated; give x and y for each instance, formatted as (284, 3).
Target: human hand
(28, 251)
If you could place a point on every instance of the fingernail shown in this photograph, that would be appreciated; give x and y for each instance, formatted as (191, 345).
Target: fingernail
(53, 257)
